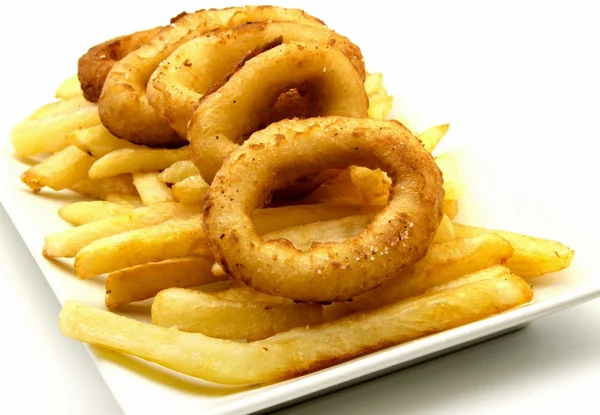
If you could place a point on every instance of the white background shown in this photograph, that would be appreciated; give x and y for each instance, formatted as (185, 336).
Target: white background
(526, 68)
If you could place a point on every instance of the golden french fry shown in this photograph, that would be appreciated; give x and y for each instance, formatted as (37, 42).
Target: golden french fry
(68, 88)
(125, 199)
(533, 257)
(144, 281)
(300, 350)
(98, 141)
(217, 270)
(178, 171)
(69, 242)
(99, 189)
(59, 171)
(133, 160)
(445, 231)
(175, 238)
(251, 317)
(62, 107)
(272, 219)
(442, 263)
(451, 208)
(432, 136)
(495, 271)
(453, 186)
(190, 190)
(80, 213)
(380, 103)
(151, 190)
(49, 134)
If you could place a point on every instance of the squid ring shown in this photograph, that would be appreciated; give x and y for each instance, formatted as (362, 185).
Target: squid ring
(176, 87)
(123, 105)
(398, 236)
(242, 105)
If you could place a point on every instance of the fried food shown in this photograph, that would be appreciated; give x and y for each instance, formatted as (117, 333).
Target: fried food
(380, 103)
(93, 67)
(177, 86)
(432, 136)
(225, 118)
(178, 171)
(533, 257)
(80, 213)
(328, 271)
(151, 190)
(144, 281)
(69, 88)
(123, 104)
(97, 141)
(101, 188)
(250, 316)
(300, 350)
(190, 190)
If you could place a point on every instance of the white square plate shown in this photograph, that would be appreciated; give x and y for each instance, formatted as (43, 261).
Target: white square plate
(518, 143)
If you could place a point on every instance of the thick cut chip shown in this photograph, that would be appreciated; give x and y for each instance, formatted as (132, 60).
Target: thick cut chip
(300, 350)
(98, 141)
(144, 281)
(59, 171)
(533, 257)
(151, 190)
(190, 190)
(133, 160)
(80, 213)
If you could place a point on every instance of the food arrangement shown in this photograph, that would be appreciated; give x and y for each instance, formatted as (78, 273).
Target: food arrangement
(243, 175)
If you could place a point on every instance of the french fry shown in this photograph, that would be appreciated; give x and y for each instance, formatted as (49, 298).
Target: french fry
(59, 171)
(99, 189)
(151, 190)
(144, 281)
(133, 160)
(175, 238)
(49, 134)
(190, 190)
(67, 243)
(442, 263)
(125, 199)
(178, 171)
(451, 208)
(253, 316)
(80, 213)
(300, 350)
(380, 103)
(533, 257)
(445, 231)
(98, 141)
(495, 271)
(68, 88)
(432, 136)
(62, 107)
(217, 270)
(453, 186)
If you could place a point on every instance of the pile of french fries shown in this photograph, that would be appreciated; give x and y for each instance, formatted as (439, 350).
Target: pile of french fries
(141, 230)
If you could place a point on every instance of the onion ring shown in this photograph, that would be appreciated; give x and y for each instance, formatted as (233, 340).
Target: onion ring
(123, 105)
(94, 66)
(176, 87)
(398, 236)
(241, 106)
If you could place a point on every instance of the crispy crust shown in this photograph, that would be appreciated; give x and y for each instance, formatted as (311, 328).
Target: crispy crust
(398, 236)
(243, 105)
(93, 67)
(123, 105)
(204, 64)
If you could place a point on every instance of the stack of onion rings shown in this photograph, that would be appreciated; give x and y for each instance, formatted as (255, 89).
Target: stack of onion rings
(398, 236)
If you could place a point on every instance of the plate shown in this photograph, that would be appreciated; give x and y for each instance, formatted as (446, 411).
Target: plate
(521, 173)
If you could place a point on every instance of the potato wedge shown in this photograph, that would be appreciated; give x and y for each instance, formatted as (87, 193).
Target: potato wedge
(144, 281)
(49, 134)
(178, 171)
(533, 257)
(139, 159)
(69, 242)
(151, 190)
(190, 190)
(59, 171)
(300, 350)
(98, 141)
(68, 88)
(254, 317)
(80, 213)
(175, 238)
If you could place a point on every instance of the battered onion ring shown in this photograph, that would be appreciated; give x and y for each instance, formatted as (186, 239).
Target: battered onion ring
(176, 87)
(94, 66)
(241, 106)
(123, 104)
(398, 236)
